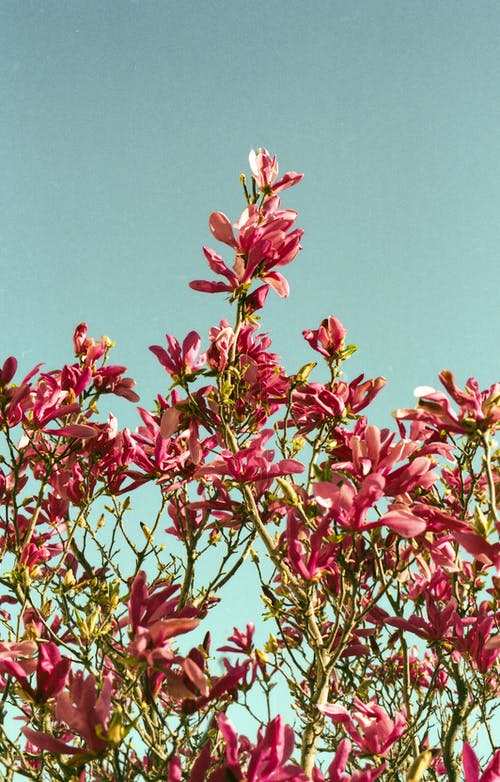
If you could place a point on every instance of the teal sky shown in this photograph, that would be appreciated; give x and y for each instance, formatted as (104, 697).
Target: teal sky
(126, 123)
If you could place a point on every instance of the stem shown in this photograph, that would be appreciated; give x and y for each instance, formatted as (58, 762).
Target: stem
(489, 474)
(324, 666)
(458, 714)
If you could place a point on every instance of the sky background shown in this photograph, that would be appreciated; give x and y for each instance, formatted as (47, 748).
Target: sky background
(124, 124)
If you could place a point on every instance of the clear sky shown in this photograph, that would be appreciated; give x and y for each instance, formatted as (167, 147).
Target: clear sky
(124, 124)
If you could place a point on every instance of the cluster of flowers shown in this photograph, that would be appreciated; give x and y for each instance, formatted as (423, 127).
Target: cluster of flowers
(383, 560)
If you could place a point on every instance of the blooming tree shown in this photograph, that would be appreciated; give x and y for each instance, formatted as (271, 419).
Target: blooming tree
(375, 552)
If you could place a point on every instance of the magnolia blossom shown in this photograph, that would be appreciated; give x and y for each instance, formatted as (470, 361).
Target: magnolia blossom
(368, 725)
(265, 169)
(472, 769)
(265, 240)
(267, 758)
(328, 339)
(178, 360)
(88, 714)
(337, 768)
(478, 410)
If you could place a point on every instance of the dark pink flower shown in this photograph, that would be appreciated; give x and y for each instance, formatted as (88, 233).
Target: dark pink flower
(88, 715)
(337, 768)
(328, 339)
(253, 464)
(472, 636)
(368, 725)
(148, 607)
(349, 504)
(310, 553)
(221, 339)
(478, 410)
(265, 241)
(472, 769)
(51, 674)
(267, 758)
(313, 404)
(8, 370)
(265, 169)
(16, 659)
(440, 622)
(181, 361)
(243, 641)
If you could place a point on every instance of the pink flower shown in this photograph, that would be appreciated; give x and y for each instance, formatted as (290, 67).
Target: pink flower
(242, 640)
(85, 347)
(472, 769)
(374, 451)
(264, 242)
(265, 169)
(148, 608)
(221, 339)
(88, 715)
(201, 688)
(478, 410)
(473, 636)
(310, 553)
(370, 727)
(154, 619)
(337, 768)
(181, 361)
(350, 505)
(328, 339)
(51, 674)
(109, 379)
(440, 622)
(267, 758)
(253, 464)
(16, 659)
(8, 371)
(313, 404)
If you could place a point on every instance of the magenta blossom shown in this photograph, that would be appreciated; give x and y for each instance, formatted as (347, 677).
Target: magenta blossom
(350, 505)
(88, 715)
(478, 410)
(16, 659)
(328, 339)
(242, 641)
(51, 674)
(472, 769)
(265, 240)
(267, 758)
(337, 768)
(253, 464)
(180, 361)
(157, 607)
(265, 169)
(368, 725)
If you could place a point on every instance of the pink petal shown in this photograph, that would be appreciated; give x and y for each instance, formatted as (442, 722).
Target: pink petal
(404, 523)
(43, 741)
(470, 763)
(222, 229)
(74, 430)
